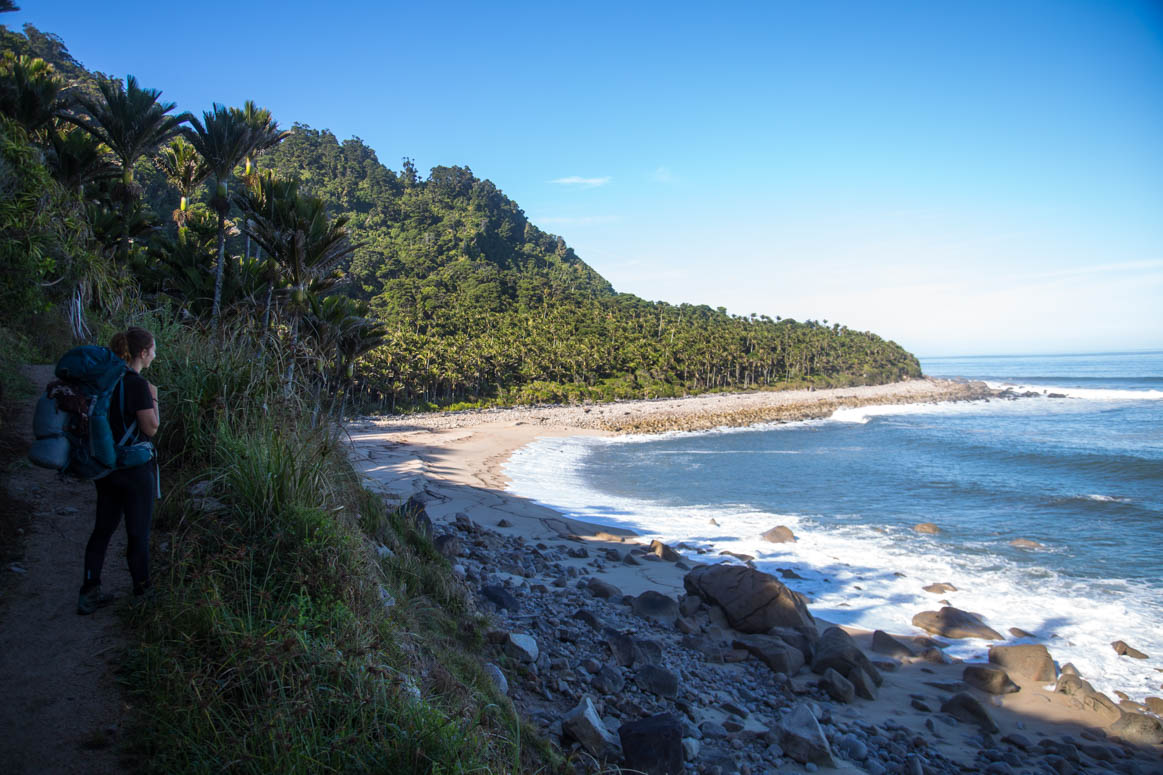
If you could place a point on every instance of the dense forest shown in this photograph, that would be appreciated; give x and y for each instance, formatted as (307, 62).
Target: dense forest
(427, 292)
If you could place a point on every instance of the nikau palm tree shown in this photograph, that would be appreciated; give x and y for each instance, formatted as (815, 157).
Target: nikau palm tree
(131, 122)
(185, 170)
(224, 138)
(295, 231)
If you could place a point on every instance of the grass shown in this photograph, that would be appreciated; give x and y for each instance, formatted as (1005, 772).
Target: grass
(279, 640)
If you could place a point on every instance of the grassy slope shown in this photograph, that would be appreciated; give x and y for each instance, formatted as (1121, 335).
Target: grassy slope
(279, 640)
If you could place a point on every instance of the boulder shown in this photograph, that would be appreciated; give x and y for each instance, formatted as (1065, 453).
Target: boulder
(1071, 684)
(965, 707)
(647, 651)
(801, 738)
(583, 615)
(497, 677)
(780, 534)
(940, 588)
(603, 589)
(836, 649)
(837, 686)
(500, 597)
(927, 528)
(992, 680)
(1099, 703)
(1123, 650)
(656, 680)
(862, 683)
(523, 648)
(952, 622)
(653, 745)
(608, 680)
(883, 643)
(448, 545)
(774, 652)
(1154, 704)
(1139, 728)
(621, 646)
(753, 601)
(1025, 543)
(415, 511)
(585, 726)
(1031, 661)
(655, 605)
(1018, 632)
(665, 552)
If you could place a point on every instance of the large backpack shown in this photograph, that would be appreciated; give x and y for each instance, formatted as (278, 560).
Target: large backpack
(71, 422)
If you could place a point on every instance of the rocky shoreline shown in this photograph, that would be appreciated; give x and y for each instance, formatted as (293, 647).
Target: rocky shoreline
(643, 658)
(736, 676)
(710, 410)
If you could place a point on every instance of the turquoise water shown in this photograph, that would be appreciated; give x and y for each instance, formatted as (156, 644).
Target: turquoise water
(1081, 474)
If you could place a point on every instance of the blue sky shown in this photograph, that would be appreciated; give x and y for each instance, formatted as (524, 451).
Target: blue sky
(963, 178)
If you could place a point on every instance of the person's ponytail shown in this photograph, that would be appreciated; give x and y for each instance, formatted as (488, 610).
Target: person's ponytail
(129, 344)
(120, 346)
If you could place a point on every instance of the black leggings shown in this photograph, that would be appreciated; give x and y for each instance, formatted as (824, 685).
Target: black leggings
(128, 491)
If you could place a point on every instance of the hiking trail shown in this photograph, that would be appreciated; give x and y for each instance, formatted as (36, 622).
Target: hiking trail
(62, 710)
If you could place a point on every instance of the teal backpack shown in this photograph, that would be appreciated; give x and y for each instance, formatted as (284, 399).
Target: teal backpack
(71, 421)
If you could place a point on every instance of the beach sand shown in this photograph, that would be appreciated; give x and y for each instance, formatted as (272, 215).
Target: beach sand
(453, 462)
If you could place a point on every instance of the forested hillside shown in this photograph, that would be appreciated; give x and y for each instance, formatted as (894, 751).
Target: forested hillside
(480, 303)
(445, 293)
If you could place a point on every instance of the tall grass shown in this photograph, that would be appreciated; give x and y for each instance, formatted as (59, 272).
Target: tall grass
(279, 640)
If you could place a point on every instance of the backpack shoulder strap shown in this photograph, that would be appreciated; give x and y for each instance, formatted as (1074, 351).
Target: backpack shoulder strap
(131, 428)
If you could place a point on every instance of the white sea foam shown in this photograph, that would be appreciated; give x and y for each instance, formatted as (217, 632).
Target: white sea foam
(1089, 394)
(851, 572)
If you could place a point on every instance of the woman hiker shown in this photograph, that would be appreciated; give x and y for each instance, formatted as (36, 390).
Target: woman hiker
(128, 491)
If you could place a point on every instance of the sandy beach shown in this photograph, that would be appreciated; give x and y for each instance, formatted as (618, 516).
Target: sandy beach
(453, 464)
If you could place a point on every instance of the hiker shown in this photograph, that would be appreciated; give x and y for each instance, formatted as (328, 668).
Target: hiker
(128, 491)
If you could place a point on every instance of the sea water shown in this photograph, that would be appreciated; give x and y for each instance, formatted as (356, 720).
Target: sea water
(1076, 468)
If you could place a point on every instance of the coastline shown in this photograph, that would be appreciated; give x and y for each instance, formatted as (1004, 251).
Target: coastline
(453, 464)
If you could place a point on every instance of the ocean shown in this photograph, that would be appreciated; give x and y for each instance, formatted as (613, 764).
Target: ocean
(1076, 468)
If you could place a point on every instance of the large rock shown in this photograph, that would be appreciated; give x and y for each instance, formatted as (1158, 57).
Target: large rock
(837, 686)
(780, 534)
(585, 725)
(940, 588)
(500, 597)
(928, 528)
(992, 680)
(1123, 650)
(1072, 684)
(774, 652)
(836, 649)
(656, 680)
(1139, 728)
(965, 707)
(801, 738)
(883, 643)
(952, 622)
(653, 745)
(521, 647)
(753, 601)
(621, 646)
(1031, 661)
(655, 605)
(862, 683)
(665, 552)
(497, 677)
(603, 589)
(608, 680)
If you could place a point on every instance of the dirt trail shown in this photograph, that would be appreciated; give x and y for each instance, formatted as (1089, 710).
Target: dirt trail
(60, 708)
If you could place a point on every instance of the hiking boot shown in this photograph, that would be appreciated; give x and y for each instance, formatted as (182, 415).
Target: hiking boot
(91, 599)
